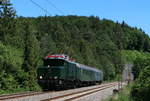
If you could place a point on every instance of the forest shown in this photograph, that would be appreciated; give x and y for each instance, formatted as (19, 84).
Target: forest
(100, 43)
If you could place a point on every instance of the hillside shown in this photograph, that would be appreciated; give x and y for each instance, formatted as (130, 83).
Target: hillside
(88, 40)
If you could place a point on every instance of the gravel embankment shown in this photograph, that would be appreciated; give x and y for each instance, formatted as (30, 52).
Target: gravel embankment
(50, 94)
(99, 96)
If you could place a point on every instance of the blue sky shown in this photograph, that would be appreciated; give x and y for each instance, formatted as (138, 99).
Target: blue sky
(133, 12)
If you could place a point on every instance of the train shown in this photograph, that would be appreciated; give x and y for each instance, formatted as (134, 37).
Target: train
(60, 72)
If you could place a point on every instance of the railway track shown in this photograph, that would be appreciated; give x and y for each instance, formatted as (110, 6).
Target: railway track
(63, 97)
(18, 95)
(76, 95)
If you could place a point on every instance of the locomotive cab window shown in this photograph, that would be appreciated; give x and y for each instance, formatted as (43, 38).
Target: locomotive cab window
(53, 62)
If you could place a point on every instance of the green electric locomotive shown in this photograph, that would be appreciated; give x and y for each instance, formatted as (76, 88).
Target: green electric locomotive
(61, 72)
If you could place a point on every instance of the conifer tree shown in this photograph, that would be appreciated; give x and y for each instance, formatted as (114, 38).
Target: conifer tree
(31, 57)
(7, 23)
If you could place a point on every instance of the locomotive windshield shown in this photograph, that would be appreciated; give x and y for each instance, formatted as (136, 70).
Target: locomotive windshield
(53, 62)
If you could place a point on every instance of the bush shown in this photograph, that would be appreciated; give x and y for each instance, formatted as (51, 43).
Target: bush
(141, 88)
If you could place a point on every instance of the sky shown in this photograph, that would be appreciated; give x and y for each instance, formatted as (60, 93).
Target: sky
(135, 13)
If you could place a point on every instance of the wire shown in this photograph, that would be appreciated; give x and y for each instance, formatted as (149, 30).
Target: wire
(55, 6)
(40, 7)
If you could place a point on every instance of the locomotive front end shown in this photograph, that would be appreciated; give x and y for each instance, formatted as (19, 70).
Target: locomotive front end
(51, 74)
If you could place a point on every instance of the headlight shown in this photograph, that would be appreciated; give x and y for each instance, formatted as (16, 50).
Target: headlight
(55, 77)
(41, 77)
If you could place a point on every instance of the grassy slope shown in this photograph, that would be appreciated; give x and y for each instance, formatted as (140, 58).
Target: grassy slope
(123, 95)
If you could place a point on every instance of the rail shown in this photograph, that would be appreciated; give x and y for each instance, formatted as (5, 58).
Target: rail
(73, 96)
(67, 97)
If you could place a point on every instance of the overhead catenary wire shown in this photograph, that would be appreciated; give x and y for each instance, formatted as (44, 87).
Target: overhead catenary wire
(52, 4)
(40, 7)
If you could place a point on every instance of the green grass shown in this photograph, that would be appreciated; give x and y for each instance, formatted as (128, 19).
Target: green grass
(123, 95)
